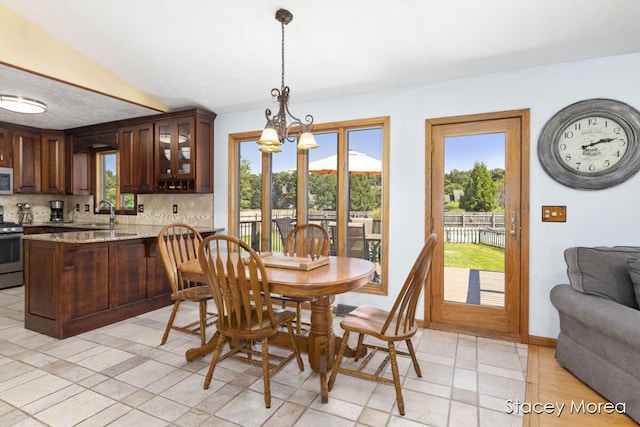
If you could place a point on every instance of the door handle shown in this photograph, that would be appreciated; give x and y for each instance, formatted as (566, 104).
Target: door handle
(514, 226)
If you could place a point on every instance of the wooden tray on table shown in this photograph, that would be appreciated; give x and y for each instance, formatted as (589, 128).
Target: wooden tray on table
(279, 260)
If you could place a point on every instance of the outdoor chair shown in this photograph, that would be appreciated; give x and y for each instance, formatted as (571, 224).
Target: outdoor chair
(356, 241)
(178, 243)
(285, 225)
(392, 326)
(240, 287)
(308, 241)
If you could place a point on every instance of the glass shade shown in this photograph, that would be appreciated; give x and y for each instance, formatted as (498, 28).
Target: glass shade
(21, 105)
(269, 137)
(270, 148)
(307, 141)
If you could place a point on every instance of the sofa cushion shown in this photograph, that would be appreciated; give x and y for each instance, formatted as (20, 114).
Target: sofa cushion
(634, 271)
(602, 271)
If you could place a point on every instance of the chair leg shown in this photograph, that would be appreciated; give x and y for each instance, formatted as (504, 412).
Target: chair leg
(338, 361)
(265, 373)
(396, 377)
(294, 346)
(214, 359)
(358, 347)
(298, 318)
(170, 322)
(203, 321)
(414, 359)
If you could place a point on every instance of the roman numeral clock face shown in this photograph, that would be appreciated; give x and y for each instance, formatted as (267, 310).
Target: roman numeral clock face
(591, 145)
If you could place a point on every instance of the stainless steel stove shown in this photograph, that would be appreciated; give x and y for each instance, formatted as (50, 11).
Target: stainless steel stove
(11, 263)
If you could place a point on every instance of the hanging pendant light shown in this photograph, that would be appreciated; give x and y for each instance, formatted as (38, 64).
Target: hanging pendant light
(277, 130)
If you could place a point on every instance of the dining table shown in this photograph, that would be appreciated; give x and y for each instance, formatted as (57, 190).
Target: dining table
(319, 285)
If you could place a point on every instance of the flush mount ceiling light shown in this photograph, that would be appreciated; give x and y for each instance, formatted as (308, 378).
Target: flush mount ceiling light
(277, 130)
(19, 104)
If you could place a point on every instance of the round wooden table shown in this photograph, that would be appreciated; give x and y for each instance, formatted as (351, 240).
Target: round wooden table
(320, 285)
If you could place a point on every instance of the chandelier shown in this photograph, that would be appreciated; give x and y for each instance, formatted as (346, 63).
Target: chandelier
(277, 130)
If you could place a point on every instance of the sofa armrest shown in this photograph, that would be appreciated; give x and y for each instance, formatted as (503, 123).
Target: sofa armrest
(606, 316)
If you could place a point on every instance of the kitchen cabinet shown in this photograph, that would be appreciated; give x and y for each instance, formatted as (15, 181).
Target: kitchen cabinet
(38, 162)
(72, 288)
(184, 152)
(81, 174)
(26, 162)
(53, 163)
(6, 158)
(136, 159)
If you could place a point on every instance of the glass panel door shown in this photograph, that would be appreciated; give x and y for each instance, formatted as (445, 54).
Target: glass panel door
(474, 226)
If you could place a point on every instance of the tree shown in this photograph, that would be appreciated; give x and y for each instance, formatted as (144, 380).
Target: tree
(480, 192)
(250, 187)
(323, 188)
(283, 190)
(365, 192)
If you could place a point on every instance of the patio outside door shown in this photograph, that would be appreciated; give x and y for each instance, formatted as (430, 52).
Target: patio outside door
(477, 204)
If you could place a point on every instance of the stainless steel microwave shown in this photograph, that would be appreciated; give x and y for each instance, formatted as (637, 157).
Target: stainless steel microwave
(6, 181)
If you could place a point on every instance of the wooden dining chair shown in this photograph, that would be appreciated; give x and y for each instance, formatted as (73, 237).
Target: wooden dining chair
(240, 287)
(308, 241)
(178, 243)
(389, 326)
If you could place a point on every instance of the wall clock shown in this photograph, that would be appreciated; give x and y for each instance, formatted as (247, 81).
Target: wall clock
(592, 144)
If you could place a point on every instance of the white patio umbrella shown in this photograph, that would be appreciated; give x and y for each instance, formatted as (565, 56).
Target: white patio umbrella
(359, 164)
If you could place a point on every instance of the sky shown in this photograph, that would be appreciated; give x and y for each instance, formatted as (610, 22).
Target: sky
(461, 152)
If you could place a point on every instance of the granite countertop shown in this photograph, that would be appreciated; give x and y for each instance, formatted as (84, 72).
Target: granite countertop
(96, 232)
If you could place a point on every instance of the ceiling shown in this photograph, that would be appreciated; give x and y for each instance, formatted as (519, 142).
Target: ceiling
(225, 55)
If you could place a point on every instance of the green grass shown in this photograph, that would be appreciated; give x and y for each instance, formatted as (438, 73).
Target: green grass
(471, 255)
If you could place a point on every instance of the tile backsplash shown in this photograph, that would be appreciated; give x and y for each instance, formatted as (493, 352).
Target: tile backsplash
(194, 209)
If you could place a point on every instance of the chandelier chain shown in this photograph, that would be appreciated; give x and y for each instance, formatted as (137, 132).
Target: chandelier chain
(282, 43)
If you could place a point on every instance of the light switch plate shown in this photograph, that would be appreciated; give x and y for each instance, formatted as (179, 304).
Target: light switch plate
(554, 214)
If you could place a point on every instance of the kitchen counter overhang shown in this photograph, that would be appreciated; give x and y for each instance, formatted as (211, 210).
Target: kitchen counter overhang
(82, 280)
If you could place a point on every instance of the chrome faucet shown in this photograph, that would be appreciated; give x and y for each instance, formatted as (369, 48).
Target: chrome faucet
(112, 214)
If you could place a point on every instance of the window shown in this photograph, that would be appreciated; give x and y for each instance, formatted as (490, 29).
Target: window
(107, 184)
(342, 186)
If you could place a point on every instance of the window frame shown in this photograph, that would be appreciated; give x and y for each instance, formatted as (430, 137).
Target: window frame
(302, 209)
(118, 208)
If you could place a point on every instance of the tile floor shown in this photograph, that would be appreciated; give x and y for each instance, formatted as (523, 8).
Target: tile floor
(119, 375)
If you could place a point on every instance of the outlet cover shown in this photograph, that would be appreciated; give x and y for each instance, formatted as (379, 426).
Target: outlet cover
(554, 214)
(77, 207)
(175, 209)
(86, 208)
(141, 208)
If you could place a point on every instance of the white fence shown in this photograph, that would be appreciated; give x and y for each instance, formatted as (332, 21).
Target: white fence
(485, 235)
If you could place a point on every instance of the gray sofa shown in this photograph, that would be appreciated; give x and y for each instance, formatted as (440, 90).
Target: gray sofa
(599, 339)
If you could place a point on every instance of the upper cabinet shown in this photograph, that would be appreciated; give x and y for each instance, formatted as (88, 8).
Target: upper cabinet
(6, 158)
(38, 162)
(26, 162)
(136, 159)
(184, 152)
(53, 163)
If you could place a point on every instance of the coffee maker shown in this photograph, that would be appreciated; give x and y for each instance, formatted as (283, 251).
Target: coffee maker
(57, 210)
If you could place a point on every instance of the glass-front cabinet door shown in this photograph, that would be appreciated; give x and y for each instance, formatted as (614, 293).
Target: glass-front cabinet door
(175, 148)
